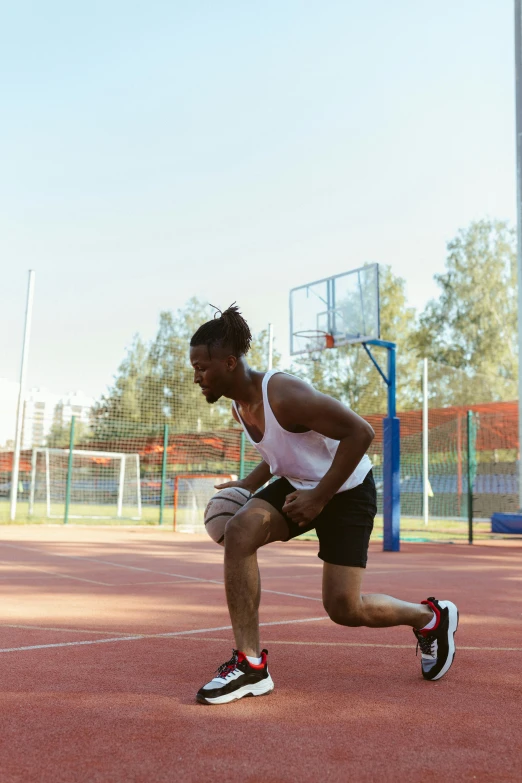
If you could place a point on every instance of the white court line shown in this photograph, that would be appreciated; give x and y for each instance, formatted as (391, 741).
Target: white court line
(148, 570)
(103, 562)
(179, 576)
(291, 576)
(10, 578)
(291, 595)
(152, 636)
(159, 582)
(65, 630)
(370, 571)
(358, 644)
(263, 589)
(70, 644)
(189, 634)
(44, 574)
(54, 575)
(76, 578)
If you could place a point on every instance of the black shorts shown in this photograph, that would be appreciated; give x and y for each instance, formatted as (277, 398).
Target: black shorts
(344, 525)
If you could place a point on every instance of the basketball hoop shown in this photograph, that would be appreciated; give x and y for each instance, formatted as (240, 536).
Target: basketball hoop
(335, 311)
(313, 342)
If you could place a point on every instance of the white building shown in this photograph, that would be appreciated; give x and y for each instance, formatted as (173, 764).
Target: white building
(38, 419)
(42, 410)
(74, 403)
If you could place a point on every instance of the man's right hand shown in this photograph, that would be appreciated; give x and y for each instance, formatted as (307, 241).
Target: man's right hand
(242, 483)
(255, 479)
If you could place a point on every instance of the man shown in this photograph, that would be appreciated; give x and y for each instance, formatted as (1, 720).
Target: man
(317, 448)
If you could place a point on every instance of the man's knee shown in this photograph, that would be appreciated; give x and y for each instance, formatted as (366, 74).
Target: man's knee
(241, 534)
(344, 610)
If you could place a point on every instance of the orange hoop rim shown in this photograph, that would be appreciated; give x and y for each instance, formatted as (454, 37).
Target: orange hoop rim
(327, 339)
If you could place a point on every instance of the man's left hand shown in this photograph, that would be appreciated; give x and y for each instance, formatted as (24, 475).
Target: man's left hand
(303, 506)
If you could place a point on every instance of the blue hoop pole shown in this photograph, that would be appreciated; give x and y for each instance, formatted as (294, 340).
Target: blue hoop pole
(392, 463)
(391, 451)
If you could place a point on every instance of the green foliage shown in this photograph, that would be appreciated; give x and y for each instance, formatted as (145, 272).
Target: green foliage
(472, 326)
(258, 354)
(468, 334)
(154, 384)
(59, 436)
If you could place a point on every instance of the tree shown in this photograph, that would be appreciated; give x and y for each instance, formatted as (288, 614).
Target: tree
(258, 354)
(348, 374)
(125, 397)
(59, 436)
(472, 326)
(154, 384)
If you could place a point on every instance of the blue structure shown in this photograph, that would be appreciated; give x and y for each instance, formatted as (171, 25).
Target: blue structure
(391, 451)
(506, 523)
(346, 309)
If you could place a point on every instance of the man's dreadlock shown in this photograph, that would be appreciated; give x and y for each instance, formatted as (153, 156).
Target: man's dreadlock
(228, 329)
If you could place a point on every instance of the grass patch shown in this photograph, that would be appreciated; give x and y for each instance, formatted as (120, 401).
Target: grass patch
(412, 529)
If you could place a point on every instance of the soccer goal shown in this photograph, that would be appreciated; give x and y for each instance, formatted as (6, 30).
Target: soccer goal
(192, 491)
(103, 484)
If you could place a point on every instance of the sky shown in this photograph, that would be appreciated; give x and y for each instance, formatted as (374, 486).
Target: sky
(156, 151)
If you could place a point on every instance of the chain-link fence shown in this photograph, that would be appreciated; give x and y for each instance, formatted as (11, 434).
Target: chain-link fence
(472, 468)
(122, 472)
(136, 453)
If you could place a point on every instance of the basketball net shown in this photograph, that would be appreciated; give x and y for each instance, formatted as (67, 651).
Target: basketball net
(314, 342)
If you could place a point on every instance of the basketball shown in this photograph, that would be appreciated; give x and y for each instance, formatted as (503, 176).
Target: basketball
(221, 507)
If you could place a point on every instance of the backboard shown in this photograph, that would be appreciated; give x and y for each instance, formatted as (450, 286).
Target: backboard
(335, 311)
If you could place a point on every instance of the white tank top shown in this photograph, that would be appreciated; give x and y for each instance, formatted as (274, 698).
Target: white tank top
(302, 458)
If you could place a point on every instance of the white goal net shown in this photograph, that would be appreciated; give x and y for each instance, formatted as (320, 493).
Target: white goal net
(103, 485)
(191, 495)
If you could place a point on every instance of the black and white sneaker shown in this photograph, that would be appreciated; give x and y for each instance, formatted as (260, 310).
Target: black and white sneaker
(438, 644)
(237, 678)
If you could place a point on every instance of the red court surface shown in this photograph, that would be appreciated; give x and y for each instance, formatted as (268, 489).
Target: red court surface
(106, 635)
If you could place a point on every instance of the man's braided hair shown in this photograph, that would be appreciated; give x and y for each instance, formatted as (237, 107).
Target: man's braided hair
(228, 329)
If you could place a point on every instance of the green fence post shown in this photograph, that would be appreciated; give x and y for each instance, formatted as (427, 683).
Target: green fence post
(469, 428)
(163, 471)
(69, 473)
(242, 456)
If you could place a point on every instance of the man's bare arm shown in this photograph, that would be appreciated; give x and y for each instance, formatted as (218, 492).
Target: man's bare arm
(255, 479)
